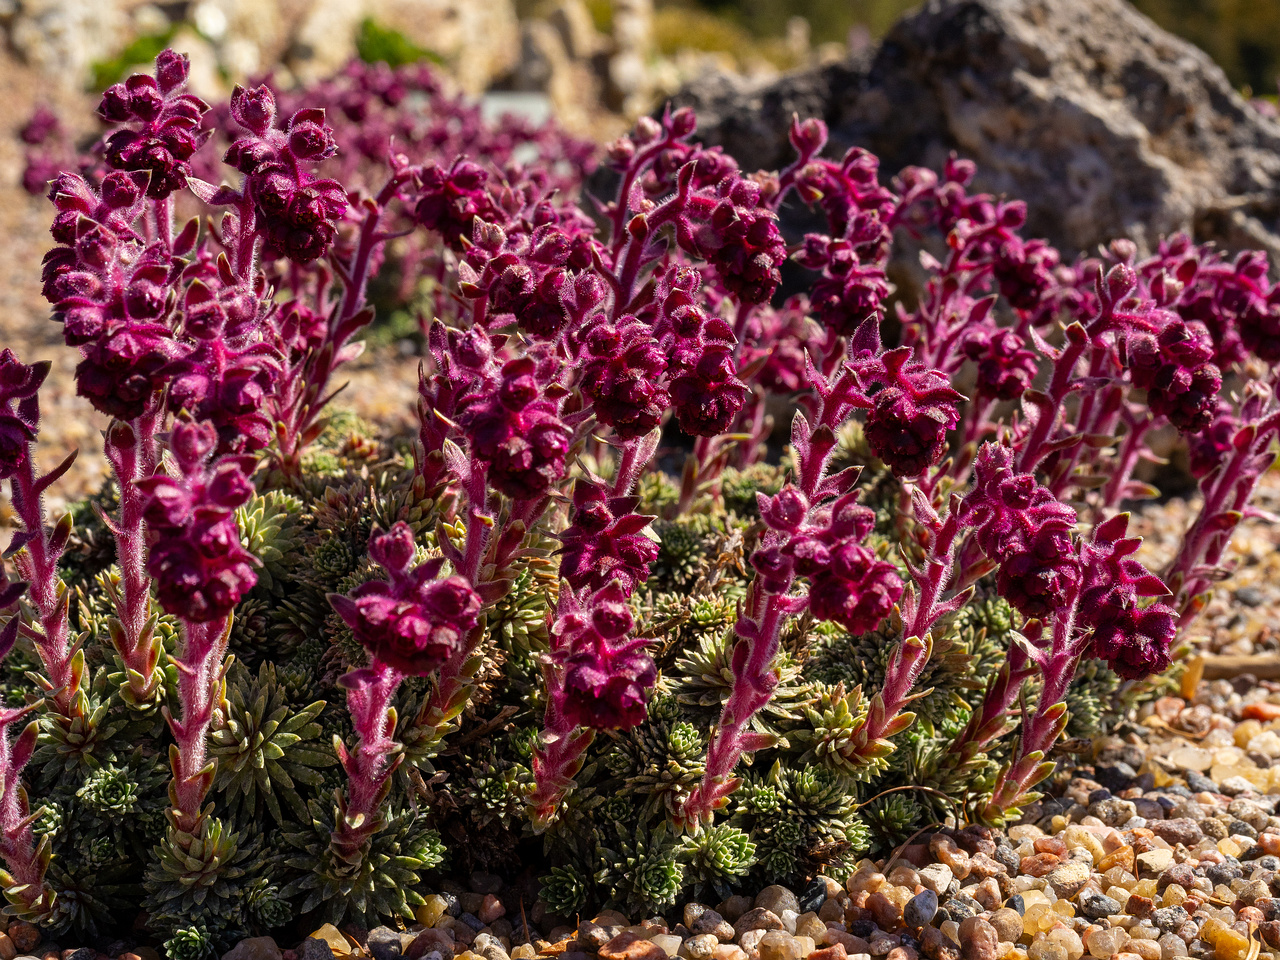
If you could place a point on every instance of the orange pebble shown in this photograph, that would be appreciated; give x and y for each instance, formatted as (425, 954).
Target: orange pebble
(1261, 711)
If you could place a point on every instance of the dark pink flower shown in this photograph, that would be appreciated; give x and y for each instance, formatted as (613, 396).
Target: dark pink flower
(412, 621)
(297, 213)
(605, 678)
(165, 125)
(741, 240)
(605, 541)
(912, 408)
(622, 372)
(858, 602)
(606, 691)
(1174, 365)
(518, 430)
(450, 200)
(1005, 366)
(19, 413)
(200, 568)
(849, 584)
(1134, 640)
(123, 372)
(1024, 528)
(706, 391)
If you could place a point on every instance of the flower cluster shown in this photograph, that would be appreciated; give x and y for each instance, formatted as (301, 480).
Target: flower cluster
(706, 392)
(200, 568)
(165, 125)
(911, 409)
(1005, 365)
(533, 265)
(298, 213)
(741, 241)
(414, 620)
(517, 429)
(850, 291)
(451, 200)
(1174, 364)
(1027, 531)
(606, 541)
(1134, 640)
(606, 677)
(228, 375)
(623, 372)
(112, 292)
(848, 583)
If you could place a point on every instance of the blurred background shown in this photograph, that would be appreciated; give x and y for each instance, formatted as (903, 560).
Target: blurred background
(589, 60)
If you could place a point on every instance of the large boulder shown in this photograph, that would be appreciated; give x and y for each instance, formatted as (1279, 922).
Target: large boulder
(1104, 123)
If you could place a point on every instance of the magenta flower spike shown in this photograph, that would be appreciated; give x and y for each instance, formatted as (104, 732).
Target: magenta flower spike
(200, 572)
(597, 679)
(411, 624)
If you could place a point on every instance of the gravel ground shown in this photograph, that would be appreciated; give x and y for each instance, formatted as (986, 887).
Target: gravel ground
(1165, 845)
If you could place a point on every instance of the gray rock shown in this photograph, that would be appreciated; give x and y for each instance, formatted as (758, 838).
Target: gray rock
(757, 919)
(936, 876)
(489, 947)
(692, 912)
(1104, 123)
(709, 921)
(699, 947)
(776, 899)
(920, 909)
(1182, 830)
(313, 948)
(1249, 812)
(1068, 877)
(1113, 811)
(1169, 919)
(384, 943)
(1095, 905)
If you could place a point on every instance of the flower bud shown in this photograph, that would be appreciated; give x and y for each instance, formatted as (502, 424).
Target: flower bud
(683, 123)
(254, 108)
(786, 510)
(647, 130)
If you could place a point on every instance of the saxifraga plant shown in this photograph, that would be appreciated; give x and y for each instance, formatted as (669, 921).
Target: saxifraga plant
(515, 628)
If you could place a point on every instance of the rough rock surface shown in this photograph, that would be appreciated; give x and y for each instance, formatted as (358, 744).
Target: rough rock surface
(1106, 124)
(478, 39)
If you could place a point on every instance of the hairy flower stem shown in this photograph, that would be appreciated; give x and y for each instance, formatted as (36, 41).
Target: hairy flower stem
(759, 630)
(63, 662)
(1042, 728)
(369, 767)
(134, 454)
(1131, 449)
(299, 414)
(201, 669)
(558, 758)
(908, 660)
(753, 686)
(26, 860)
(1227, 492)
